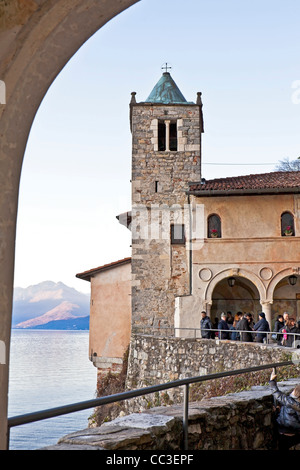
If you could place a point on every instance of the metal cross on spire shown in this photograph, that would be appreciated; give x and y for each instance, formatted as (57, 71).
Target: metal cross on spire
(165, 66)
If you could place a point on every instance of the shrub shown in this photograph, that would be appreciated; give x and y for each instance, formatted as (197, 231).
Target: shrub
(238, 383)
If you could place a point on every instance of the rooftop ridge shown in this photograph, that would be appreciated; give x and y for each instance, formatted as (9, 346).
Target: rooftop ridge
(275, 180)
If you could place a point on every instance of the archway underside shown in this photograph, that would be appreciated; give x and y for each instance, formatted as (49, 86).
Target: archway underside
(37, 39)
(244, 297)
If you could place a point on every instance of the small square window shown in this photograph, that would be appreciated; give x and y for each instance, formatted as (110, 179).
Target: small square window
(177, 234)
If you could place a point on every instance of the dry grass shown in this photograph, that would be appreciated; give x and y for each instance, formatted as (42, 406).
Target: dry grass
(238, 383)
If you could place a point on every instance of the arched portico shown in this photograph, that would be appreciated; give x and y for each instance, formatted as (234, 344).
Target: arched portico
(236, 273)
(246, 286)
(284, 291)
(37, 40)
(284, 273)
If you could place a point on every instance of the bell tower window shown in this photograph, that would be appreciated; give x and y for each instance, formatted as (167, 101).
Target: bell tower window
(167, 135)
(161, 136)
(173, 136)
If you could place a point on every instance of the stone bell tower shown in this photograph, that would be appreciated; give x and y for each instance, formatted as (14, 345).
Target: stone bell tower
(166, 156)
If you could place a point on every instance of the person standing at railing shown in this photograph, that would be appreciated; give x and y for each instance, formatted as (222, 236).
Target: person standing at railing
(286, 317)
(251, 321)
(279, 324)
(288, 420)
(233, 328)
(244, 326)
(229, 319)
(223, 327)
(238, 319)
(205, 326)
(289, 329)
(263, 326)
(215, 327)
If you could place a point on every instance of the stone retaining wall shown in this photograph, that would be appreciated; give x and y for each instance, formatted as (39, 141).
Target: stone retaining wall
(154, 360)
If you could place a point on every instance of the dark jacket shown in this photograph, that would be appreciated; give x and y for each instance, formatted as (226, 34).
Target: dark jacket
(261, 325)
(233, 333)
(244, 326)
(238, 336)
(291, 338)
(223, 326)
(205, 324)
(277, 327)
(289, 417)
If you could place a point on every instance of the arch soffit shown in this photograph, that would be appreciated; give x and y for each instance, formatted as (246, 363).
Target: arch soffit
(30, 60)
(241, 273)
(277, 278)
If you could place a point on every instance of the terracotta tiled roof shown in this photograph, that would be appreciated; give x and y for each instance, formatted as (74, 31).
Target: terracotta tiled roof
(86, 275)
(277, 181)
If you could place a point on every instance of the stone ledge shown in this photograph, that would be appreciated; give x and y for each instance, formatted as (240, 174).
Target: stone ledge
(239, 421)
(132, 432)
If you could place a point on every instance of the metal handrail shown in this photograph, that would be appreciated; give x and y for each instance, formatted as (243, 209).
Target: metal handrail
(230, 331)
(71, 408)
(267, 334)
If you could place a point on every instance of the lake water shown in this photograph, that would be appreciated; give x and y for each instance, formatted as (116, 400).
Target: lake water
(49, 369)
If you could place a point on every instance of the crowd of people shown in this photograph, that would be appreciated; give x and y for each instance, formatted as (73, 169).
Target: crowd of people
(242, 327)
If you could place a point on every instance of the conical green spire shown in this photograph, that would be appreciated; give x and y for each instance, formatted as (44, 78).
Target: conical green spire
(166, 92)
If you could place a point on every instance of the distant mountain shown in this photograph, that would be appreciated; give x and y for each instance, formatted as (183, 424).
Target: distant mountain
(63, 311)
(47, 302)
(79, 323)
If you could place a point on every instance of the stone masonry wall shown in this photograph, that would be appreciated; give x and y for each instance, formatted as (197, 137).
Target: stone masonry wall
(160, 271)
(154, 360)
(171, 169)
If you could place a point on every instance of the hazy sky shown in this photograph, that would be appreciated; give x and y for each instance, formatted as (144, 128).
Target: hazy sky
(244, 56)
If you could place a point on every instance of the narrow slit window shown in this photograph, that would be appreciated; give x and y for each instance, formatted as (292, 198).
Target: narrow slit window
(161, 136)
(173, 136)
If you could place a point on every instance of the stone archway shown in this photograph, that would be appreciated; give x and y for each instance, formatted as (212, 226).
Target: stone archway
(38, 37)
(242, 296)
(245, 278)
(285, 293)
(236, 273)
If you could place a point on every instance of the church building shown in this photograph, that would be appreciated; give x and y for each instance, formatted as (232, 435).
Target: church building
(227, 244)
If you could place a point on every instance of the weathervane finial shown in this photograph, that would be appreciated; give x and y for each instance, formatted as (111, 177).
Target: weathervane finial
(165, 66)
